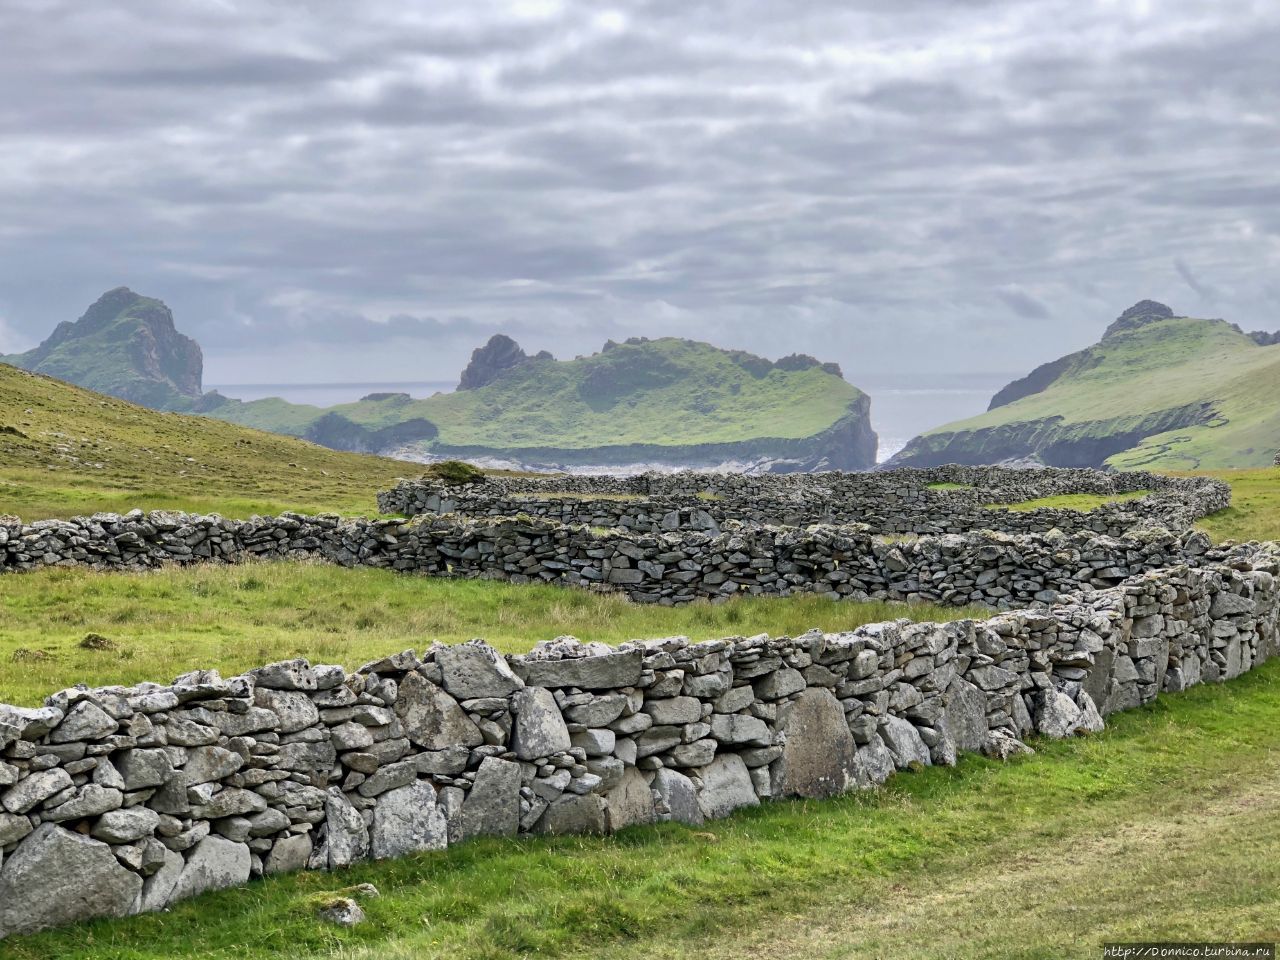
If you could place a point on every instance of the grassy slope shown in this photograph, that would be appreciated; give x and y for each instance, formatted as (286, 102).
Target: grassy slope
(76, 452)
(983, 859)
(667, 392)
(1159, 367)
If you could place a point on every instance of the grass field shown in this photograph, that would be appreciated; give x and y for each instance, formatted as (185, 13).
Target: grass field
(1254, 513)
(1163, 827)
(1069, 501)
(166, 622)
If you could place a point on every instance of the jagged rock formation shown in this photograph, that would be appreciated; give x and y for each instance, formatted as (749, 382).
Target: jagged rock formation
(125, 345)
(1157, 390)
(491, 361)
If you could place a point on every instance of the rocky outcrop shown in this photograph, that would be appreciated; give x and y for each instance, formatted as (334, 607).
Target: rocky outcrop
(1141, 314)
(127, 346)
(491, 361)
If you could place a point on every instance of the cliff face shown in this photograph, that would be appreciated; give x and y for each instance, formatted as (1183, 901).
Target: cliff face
(1157, 391)
(127, 346)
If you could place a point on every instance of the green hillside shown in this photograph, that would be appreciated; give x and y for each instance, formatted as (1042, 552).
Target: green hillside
(125, 345)
(1157, 392)
(67, 451)
(633, 401)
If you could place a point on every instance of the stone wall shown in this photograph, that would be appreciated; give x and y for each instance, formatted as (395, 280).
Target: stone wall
(999, 570)
(900, 501)
(119, 800)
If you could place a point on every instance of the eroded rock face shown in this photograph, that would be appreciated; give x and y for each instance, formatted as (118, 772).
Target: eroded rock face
(540, 730)
(348, 836)
(215, 863)
(56, 877)
(491, 361)
(475, 669)
(726, 787)
(630, 803)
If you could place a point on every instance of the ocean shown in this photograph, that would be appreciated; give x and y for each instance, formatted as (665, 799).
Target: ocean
(901, 407)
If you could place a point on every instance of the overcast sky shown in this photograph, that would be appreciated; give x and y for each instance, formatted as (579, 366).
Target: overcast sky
(366, 191)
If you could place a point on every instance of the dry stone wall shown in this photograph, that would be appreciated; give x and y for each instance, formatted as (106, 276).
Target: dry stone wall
(999, 570)
(900, 501)
(119, 800)
(122, 800)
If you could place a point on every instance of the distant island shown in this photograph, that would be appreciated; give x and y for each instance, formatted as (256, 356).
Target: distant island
(1158, 392)
(662, 403)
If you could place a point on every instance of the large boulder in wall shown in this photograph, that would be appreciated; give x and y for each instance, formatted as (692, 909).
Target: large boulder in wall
(55, 877)
(726, 786)
(965, 716)
(819, 757)
(630, 802)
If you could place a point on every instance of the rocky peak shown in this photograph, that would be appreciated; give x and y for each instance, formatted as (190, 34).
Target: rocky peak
(126, 345)
(1139, 315)
(491, 361)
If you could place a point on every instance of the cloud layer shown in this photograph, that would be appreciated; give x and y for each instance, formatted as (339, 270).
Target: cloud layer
(326, 190)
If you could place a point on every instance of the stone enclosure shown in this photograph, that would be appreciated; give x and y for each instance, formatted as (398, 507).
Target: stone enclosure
(120, 800)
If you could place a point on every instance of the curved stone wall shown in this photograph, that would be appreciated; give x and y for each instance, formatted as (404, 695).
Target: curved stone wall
(900, 501)
(999, 570)
(119, 800)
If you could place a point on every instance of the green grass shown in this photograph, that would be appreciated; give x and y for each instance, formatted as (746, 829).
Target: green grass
(948, 486)
(68, 451)
(1069, 501)
(237, 617)
(1254, 513)
(667, 392)
(1162, 827)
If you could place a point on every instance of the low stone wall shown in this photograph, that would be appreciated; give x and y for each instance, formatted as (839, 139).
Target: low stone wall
(126, 799)
(900, 501)
(998, 570)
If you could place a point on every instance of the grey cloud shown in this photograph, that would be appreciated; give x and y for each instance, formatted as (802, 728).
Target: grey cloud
(1022, 303)
(825, 177)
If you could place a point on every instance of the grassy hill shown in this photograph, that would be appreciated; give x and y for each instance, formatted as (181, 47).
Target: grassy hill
(1162, 393)
(667, 399)
(67, 451)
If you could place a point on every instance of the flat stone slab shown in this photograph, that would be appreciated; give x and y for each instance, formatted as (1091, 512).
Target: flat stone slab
(589, 673)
